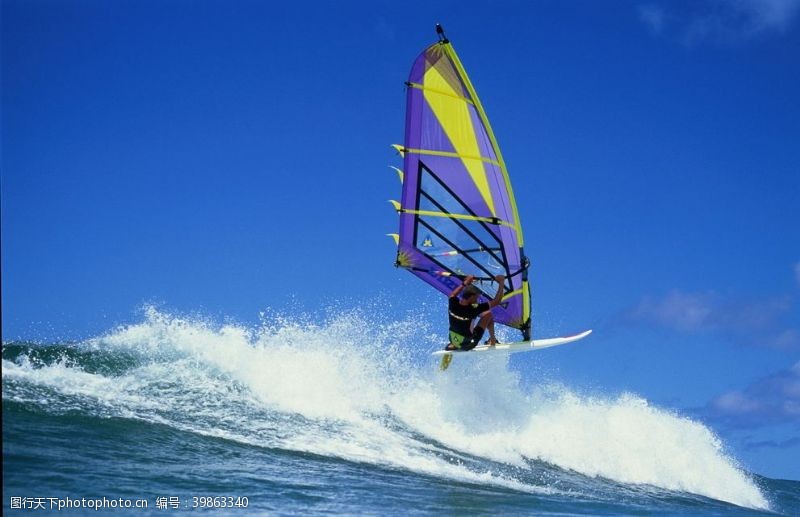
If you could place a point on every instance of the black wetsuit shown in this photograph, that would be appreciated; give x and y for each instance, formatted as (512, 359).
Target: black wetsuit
(460, 318)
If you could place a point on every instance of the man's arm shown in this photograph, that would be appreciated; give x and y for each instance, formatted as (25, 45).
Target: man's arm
(468, 280)
(500, 290)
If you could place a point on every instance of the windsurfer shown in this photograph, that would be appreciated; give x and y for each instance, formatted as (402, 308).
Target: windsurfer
(464, 333)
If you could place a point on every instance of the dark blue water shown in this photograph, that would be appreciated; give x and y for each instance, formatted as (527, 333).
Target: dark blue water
(277, 420)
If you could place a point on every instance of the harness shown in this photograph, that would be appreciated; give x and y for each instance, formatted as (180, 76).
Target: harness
(461, 318)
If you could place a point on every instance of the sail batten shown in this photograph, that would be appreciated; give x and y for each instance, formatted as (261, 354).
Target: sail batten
(449, 154)
(458, 215)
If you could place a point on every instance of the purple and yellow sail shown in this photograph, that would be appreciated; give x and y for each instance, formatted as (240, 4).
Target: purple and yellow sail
(457, 212)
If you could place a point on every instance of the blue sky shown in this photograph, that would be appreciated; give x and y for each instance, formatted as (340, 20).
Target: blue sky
(222, 158)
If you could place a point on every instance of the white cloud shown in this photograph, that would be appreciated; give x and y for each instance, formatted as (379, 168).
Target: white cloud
(653, 16)
(736, 403)
(789, 338)
(679, 310)
(762, 322)
(766, 14)
(772, 399)
(774, 444)
(719, 20)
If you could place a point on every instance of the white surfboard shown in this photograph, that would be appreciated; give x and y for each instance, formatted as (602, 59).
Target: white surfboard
(518, 346)
(508, 348)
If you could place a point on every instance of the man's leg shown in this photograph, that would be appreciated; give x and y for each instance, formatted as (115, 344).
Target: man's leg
(456, 341)
(487, 322)
(492, 339)
(474, 339)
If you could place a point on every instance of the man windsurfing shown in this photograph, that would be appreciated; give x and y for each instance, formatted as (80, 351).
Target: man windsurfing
(464, 334)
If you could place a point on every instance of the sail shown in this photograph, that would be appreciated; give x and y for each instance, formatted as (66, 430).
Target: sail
(457, 212)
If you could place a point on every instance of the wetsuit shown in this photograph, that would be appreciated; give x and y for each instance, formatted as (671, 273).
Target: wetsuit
(460, 318)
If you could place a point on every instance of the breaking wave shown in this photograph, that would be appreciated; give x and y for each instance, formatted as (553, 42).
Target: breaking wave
(354, 389)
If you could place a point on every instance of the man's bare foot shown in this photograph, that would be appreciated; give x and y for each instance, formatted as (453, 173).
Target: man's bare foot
(491, 341)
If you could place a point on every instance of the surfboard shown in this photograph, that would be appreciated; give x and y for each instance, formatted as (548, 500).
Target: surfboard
(509, 348)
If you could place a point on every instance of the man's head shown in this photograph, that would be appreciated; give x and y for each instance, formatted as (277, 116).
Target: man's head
(471, 294)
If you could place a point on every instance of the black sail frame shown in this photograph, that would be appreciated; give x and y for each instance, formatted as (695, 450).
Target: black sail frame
(482, 246)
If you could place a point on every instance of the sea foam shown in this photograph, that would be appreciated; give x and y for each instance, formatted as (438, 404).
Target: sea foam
(352, 388)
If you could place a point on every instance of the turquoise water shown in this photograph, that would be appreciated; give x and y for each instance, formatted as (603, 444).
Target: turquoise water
(277, 418)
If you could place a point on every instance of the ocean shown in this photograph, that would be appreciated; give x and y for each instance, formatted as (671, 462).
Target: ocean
(292, 416)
